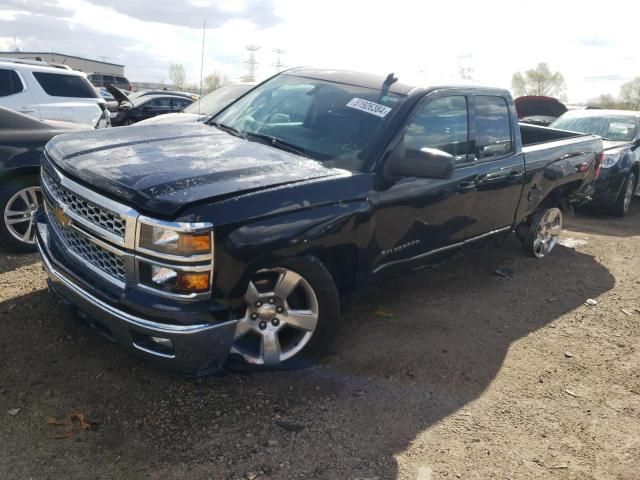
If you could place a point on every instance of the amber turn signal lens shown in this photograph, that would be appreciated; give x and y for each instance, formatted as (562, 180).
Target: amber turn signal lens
(193, 281)
(195, 244)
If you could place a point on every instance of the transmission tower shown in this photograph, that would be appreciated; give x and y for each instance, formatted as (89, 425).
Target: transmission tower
(466, 68)
(278, 65)
(251, 63)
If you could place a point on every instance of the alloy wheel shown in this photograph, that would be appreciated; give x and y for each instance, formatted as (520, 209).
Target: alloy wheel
(280, 319)
(547, 232)
(20, 213)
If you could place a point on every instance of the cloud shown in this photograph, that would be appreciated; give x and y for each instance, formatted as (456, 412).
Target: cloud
(38, 7)
(260, 12)
(35, 33)
(595, 41)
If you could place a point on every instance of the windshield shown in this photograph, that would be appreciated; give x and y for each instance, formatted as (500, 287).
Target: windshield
(213, 102)
(610, 127)
(330, 122)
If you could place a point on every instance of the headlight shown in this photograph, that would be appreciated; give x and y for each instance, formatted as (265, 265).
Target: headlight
(610, 159)
(181, 240)
(175, 259)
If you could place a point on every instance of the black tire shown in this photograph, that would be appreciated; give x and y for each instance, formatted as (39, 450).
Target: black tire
(8, 189)
(319, 278)
(622, 205)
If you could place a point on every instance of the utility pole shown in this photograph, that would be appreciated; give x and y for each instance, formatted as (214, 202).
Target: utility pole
(251, 63)
(465, 67)
(278, 65)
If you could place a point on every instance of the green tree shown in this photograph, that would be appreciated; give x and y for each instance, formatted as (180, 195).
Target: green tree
(177, 75)
(539, 81)
(213, 81)
(630, 94)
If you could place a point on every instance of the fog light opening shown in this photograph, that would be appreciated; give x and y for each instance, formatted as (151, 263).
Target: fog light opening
(154, 345)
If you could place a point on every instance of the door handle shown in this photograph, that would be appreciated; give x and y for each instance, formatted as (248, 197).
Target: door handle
(25, 110)
(515, 175)
(466, 186)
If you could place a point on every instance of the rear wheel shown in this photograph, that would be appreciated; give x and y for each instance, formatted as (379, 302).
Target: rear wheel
(19, 200)
(623, 202)
(291, 315)
(544, 232)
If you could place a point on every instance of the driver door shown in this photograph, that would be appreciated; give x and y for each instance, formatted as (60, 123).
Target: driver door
(419, 218)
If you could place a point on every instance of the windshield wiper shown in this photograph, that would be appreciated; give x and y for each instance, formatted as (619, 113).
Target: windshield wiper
(278, 143)
(228, 129)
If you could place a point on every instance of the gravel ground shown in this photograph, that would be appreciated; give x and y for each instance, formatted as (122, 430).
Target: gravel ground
(448, 373)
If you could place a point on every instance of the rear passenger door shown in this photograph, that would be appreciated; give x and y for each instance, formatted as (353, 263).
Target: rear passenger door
(14, 94)
(156, 106)
(499, 171)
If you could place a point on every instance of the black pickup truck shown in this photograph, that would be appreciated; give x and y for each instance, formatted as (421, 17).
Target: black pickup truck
(188, 243)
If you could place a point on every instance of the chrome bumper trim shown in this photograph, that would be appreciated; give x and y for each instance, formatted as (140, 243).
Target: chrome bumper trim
(119, 314)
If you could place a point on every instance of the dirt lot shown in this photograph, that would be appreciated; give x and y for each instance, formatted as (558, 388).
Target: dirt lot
(445, 374)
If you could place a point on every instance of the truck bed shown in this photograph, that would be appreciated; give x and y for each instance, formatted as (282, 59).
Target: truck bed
(557, 158)
(535, 135)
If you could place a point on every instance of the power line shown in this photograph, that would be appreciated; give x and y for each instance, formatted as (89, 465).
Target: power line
(279, 65)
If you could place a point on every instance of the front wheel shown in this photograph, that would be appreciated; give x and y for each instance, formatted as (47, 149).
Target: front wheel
(623, 202)
(291, 314)
(544, 232)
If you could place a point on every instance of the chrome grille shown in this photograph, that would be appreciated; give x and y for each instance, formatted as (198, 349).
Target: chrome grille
(97, 215)
(104, 260)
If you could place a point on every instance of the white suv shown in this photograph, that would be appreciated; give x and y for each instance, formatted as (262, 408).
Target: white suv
(48, 93)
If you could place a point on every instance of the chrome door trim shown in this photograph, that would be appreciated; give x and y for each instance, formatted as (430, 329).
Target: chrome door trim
(440, 250)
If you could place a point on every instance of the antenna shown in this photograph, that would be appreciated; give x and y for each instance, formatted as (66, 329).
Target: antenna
(204, 30)
(252, 63)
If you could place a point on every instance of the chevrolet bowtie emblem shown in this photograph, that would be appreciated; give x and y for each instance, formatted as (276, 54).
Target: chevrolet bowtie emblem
(61, 217)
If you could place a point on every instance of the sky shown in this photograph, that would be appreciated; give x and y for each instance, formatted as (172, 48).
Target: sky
(593, 44)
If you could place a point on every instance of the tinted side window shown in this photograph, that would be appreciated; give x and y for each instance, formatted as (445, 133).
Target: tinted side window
(159, 104)
(10, 83)
(60, 85)
(493, 127)
(179, 103)
(441, 124)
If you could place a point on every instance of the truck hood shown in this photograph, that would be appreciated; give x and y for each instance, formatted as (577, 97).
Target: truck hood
(160, 169)
(178, 117)
(539, 106)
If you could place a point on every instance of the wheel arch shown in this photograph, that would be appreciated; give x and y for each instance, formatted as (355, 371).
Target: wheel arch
(336, 235)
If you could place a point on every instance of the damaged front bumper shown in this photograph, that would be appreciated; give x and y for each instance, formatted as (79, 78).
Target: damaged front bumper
(194, 349)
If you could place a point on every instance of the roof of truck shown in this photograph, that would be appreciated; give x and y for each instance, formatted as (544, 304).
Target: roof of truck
(372, 80)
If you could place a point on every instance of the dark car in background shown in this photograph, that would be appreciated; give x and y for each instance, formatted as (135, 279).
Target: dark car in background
(105, 79)
(205, 107)
(130, 111)
(22, 140)
(620, 132)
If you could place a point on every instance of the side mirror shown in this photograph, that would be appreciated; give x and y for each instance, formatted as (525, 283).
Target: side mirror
(426, 162)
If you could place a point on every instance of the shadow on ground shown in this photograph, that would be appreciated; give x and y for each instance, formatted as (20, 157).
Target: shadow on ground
(408, 355)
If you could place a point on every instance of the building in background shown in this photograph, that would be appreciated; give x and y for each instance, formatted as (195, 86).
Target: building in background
(86, 65)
